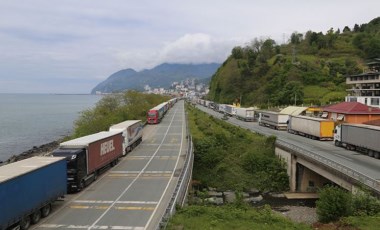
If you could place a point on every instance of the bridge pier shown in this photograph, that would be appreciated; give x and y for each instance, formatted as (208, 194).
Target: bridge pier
(306, 176)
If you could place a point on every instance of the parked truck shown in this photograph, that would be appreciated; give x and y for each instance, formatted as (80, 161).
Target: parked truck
(273, 120)
(245, 114)
(155, 115)
(311, 127)
(28, 188)
(358, 137)
(230, 110)
(132, 134)
(88, 156)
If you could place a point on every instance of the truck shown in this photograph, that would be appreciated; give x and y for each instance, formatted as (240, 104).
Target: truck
(311, 127)
(132, 134)
(245, 114)
(274, 120)
(222, 108)
(230, 110)
(358, 137)
(88, 156)
(28, 188)
(155, 115)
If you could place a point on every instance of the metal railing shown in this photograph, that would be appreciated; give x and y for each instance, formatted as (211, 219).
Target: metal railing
(331, 164)
(180, 193)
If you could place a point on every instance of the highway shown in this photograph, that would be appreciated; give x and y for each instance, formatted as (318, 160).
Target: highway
(354, 160)
(135, 193)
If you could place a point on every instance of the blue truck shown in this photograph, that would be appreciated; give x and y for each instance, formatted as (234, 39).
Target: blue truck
(28, 188)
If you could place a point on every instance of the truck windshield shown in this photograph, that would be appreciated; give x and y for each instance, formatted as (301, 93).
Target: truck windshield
(152, 114)
(71, 158)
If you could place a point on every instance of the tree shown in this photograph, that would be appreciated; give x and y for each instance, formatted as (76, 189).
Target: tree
(296, 38)
(333, 203)
(347, 29)
(237, 52)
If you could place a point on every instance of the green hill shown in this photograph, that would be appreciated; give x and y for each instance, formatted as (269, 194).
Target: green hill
(310, 69)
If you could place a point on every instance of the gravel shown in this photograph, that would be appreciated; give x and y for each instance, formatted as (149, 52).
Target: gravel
(299, 214)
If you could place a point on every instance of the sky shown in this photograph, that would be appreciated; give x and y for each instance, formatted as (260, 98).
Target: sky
(69, 46)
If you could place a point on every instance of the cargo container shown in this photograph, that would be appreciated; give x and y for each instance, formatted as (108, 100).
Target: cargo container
(155, 115)
(273, 120)
(230, 110)
(132, 134)
(245, 114)
(88, 156)
(359, 137)
(28, 188)
(222, 108)
(311, 127)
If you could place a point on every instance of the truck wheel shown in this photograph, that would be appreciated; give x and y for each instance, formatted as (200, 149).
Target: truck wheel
(370, 153)
(25, 223)
(36, 216)
(81, 185)
(45, 211)
(377, 155)
(95, 176)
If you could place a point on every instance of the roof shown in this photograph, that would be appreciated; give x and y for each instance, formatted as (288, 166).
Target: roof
(86, 140)
(293, 110)
(22, 167)
(124, 124)
(351, 108)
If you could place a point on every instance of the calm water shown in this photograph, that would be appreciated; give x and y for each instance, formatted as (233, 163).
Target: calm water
(28, 120)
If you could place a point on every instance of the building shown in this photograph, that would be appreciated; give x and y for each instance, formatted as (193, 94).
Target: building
(365, 87)
(351, 112)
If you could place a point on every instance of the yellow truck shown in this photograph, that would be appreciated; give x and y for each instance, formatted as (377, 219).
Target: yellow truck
(311, 127)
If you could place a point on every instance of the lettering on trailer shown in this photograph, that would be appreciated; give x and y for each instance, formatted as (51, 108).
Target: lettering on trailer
(106, 147)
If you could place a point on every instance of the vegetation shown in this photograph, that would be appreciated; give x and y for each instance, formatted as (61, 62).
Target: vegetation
(113, 109)
(230, 217)
(335, 203)
(230, 158)
(264, 73)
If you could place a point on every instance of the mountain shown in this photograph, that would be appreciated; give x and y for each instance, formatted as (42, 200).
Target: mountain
(160, 76)
(310, 69)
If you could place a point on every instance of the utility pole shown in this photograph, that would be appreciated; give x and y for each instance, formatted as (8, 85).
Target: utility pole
(295, 99)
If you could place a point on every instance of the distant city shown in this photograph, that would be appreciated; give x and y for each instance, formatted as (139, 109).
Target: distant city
(190, 87)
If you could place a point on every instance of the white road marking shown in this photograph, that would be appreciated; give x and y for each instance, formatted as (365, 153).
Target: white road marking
(112, 201)
(61, 226)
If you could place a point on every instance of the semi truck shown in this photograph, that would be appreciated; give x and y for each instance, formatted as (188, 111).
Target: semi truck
(156, 114)
(230, 110)
(245, 114)
(273, 120)
(132, 134)
(358, 137)
(28, 188)
(88, 156)
(311, 127)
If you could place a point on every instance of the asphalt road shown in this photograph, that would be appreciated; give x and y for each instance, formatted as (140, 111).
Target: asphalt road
(135, 193)
(361, 163)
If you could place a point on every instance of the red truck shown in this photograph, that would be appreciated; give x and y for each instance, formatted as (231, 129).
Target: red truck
(88, 156)
(155, 115)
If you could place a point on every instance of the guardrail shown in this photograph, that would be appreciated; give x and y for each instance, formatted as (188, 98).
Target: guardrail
(180, 193)
(359, 177)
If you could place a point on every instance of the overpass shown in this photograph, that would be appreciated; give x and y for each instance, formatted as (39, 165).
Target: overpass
(311, 163)
(141, 192)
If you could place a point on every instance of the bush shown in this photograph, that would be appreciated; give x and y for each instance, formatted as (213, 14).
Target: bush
(364, 204)
(333, 204)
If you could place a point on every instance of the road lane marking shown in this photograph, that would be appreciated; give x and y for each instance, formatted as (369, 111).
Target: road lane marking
(133, 208)
(135, 179)
(62, 226)
(118, 202)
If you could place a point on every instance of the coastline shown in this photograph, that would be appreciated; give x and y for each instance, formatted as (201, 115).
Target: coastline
(42, 150)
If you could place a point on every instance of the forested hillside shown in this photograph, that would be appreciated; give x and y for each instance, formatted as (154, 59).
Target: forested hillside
(309, 69)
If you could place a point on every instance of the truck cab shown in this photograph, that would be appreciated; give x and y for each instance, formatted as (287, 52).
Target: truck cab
(152, 117)
(337, 135)
(76, 167)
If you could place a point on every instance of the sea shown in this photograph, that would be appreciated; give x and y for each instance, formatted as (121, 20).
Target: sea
(28, 120)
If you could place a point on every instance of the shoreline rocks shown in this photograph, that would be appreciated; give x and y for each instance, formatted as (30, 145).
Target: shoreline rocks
(42, 150)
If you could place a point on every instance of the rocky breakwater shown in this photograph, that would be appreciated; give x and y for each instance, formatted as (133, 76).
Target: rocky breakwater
(42, 150)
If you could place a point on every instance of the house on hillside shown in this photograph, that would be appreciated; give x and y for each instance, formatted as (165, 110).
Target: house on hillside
(351, 112)
(365, 87)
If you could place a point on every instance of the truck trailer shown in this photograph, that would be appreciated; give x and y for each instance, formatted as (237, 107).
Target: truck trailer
(28, 188)
(88, 156)
(273, 120)
(132, 134)
(358, 137)
(245, 114)
(230, 110)
(311, 127)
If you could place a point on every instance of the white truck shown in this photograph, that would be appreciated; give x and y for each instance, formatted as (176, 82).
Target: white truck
(132, 134)
(274, 120)
(311, 127)
(359, 137)
(222, 108)
(230, 110)
(245, 114)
